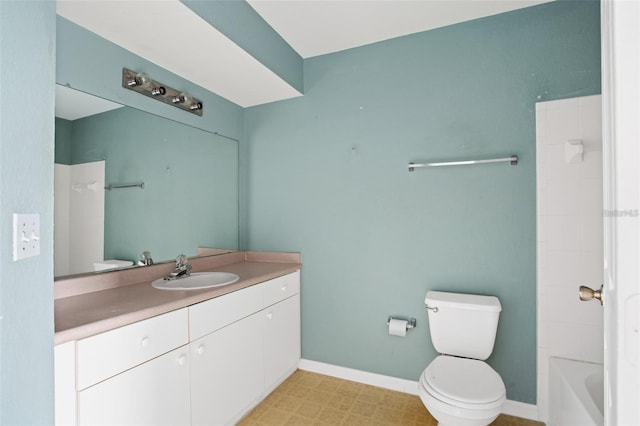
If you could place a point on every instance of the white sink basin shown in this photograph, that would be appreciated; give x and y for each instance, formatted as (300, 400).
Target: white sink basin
(197, 281)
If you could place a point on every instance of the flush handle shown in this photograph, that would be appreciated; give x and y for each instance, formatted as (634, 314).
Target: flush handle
(587, 293)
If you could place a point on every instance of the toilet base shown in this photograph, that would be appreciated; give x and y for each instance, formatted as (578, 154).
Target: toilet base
(447, 415)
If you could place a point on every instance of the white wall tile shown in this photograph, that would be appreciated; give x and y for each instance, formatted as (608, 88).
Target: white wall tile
(592, 343)
(591, 119)
(564, 305)
(591, 312)
(563, 197)
(563, 122)
(557, 167)
(541, 121)
(563, 268)
(591, 234)
(591, 164)
(569, 235)
(543, 335)
(591, 197)
(564, 340)
(591, 269)
(564, 232)
(541, 163)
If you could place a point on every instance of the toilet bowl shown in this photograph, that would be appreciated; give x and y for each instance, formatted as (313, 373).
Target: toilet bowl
(461, 391)
(458, 387)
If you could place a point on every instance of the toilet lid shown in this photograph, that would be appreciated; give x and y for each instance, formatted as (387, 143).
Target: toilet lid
(466, 380)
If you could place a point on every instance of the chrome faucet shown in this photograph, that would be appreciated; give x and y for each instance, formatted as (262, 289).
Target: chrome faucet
(183, 269)
(145, 259)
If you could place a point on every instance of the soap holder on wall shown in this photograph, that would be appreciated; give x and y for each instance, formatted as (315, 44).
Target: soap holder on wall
(573, 151)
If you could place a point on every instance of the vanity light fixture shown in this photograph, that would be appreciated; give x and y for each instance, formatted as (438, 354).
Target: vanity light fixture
(142, 83)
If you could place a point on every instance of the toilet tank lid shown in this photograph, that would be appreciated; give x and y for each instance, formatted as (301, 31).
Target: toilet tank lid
(463, 301)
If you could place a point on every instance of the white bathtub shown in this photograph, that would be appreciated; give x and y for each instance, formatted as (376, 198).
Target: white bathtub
(576, 393)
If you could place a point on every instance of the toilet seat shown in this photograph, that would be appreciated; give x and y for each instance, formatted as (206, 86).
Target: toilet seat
(463, 382)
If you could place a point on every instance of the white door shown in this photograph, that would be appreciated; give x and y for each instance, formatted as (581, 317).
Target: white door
(621, 153)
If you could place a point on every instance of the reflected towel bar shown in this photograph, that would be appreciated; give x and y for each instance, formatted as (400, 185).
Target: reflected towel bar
(513, 160)
(135, 185)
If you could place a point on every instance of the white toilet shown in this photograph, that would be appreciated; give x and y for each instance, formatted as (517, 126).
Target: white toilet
(458, 387)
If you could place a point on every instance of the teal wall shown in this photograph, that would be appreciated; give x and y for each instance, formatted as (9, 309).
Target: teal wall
(63, 141)
(190, 177)
(326, 175)
(27, 67)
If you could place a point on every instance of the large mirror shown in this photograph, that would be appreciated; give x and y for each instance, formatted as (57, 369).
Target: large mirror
(127, 182)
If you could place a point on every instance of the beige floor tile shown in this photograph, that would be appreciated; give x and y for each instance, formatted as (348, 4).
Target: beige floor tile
(313, 399)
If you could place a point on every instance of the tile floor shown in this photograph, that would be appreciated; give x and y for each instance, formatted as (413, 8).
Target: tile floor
(313, 399)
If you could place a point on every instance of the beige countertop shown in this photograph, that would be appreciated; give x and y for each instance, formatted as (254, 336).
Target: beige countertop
(92, 304)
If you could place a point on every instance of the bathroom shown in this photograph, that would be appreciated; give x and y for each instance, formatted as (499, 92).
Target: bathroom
(325, 175)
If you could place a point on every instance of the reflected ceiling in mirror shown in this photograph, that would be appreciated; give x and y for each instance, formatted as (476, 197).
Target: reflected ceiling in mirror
(190, 194)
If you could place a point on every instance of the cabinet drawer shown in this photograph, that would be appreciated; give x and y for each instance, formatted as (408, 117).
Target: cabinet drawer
(107, 354)
(214, 314)
(281, 288)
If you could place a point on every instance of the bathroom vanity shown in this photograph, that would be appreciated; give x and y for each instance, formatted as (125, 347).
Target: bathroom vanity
(179, 357)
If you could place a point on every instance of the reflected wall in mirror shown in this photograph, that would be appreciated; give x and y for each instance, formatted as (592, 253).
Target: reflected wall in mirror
(189, 199)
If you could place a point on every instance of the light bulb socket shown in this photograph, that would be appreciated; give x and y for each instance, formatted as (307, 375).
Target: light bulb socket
(158, 91)
(178, 99)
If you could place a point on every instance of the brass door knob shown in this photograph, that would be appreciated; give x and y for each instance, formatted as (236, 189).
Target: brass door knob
(587, 293)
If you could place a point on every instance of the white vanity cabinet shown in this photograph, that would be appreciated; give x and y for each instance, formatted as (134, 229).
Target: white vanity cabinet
(153, 393)
(206, 364)
(246, 343)
(135, 375)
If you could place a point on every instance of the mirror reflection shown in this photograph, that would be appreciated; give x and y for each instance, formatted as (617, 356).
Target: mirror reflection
(174, 188)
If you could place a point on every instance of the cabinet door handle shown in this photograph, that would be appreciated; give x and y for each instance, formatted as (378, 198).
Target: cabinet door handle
(182, 359)
(284, 287)
(270, 315)
(144, 342)
(200, 350)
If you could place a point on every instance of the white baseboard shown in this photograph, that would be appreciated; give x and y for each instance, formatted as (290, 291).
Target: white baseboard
(511, 408)
(520, 409)
(373, 379)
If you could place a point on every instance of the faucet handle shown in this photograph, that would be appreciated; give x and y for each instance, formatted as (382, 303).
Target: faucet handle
(181, 261)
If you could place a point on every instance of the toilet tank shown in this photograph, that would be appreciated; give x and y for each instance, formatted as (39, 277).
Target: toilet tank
(463, 324)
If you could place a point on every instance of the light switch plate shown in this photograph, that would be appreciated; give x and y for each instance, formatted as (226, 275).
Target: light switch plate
(26, 235)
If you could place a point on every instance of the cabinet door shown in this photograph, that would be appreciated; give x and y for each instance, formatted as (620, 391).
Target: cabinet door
(227, 372)
(65, 383)
(153, 393)
(281, 340)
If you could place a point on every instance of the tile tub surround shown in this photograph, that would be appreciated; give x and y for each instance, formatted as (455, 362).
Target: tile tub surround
(93, 303)
(570, 235)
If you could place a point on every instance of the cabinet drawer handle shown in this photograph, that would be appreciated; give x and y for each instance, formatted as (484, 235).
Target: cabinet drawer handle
(270, 315)
(200, 350)
(182, 359)
(144, 342)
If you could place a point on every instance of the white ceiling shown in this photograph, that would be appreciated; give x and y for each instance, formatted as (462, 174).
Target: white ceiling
(206, 57)
(318, 27)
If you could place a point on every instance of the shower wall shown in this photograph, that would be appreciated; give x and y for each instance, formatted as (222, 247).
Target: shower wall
(569, 233)
(79, 217)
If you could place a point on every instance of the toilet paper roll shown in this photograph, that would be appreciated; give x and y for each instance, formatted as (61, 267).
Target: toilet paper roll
(397, 327)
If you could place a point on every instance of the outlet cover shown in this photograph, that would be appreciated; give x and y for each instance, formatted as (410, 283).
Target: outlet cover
(26, 235)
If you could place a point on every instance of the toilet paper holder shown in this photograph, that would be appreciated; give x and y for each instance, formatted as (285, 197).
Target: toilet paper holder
(411, 322)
